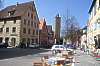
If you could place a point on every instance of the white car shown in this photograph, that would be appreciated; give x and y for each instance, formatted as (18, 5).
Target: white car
(34, 45)
(58, 47)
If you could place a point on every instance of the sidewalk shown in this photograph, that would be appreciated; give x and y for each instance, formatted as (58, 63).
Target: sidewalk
(82, 59)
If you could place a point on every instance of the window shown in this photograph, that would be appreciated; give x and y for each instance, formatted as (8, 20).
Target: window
(14, 21)
(24, 30)
(34, 24)
(32, 16)
(28, 31)
(1, 29)
(7, 29)
(11, 13)
(4, 22)
(61, 47)
(56, 46)
(31, 23)
(24, 21)
(33, 40)
(33, 32)
(37, 32)
(14, 29)
(28, 22)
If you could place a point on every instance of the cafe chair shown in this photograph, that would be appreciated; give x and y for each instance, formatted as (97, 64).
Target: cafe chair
(44, 58)
(65, 56)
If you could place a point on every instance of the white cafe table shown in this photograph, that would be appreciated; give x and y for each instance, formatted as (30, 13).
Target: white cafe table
(54, 60)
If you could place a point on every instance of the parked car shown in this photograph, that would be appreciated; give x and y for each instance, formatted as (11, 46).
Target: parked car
(21, 45)
(58, 47)
(69, 47)
(3, 45)
(34, 45)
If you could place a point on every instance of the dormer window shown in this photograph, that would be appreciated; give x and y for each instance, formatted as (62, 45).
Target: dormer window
(11, 12)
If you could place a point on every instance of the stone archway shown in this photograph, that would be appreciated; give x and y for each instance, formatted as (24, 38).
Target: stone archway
(6, 39)
(13, 42)
(1, 39)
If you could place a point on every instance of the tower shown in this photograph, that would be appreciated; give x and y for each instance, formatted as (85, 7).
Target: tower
(57, 29)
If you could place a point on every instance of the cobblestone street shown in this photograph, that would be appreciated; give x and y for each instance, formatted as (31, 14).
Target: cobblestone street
(82, 59)
(23, 60)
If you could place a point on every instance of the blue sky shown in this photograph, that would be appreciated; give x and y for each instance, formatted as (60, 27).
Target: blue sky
(49, 8)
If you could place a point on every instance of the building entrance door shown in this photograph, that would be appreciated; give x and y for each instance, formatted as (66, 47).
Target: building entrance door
(13, 41)
(98, 45)
(6, 41)
(1, 39)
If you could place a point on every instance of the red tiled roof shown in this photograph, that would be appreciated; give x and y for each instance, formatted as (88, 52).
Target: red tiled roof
(18, 10)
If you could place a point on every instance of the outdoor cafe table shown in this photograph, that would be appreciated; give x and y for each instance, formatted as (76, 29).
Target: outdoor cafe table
(56, 60)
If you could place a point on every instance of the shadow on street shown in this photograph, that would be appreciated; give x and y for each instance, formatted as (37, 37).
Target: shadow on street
(6, 53)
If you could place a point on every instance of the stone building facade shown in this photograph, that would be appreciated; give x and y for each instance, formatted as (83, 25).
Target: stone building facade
(57, 29)
(93, 25)
(50, 35)
(46, 34)
(19, 24)
(43, 34)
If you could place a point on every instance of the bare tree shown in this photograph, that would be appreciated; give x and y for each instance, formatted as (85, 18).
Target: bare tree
(71, 29)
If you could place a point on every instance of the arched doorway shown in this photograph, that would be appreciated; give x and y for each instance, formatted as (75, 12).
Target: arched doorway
(6, 41)
(13, 41)
(1, 39)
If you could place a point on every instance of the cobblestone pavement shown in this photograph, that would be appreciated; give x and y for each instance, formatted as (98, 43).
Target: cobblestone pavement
(24, 60)
(83, 59)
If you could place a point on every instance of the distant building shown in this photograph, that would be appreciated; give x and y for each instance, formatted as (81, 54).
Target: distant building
(43, 34)
(19, 24)
(49, 27)
(57, 29)
(50, 34)
(93, 25)
(46, 34)
(84, 38)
